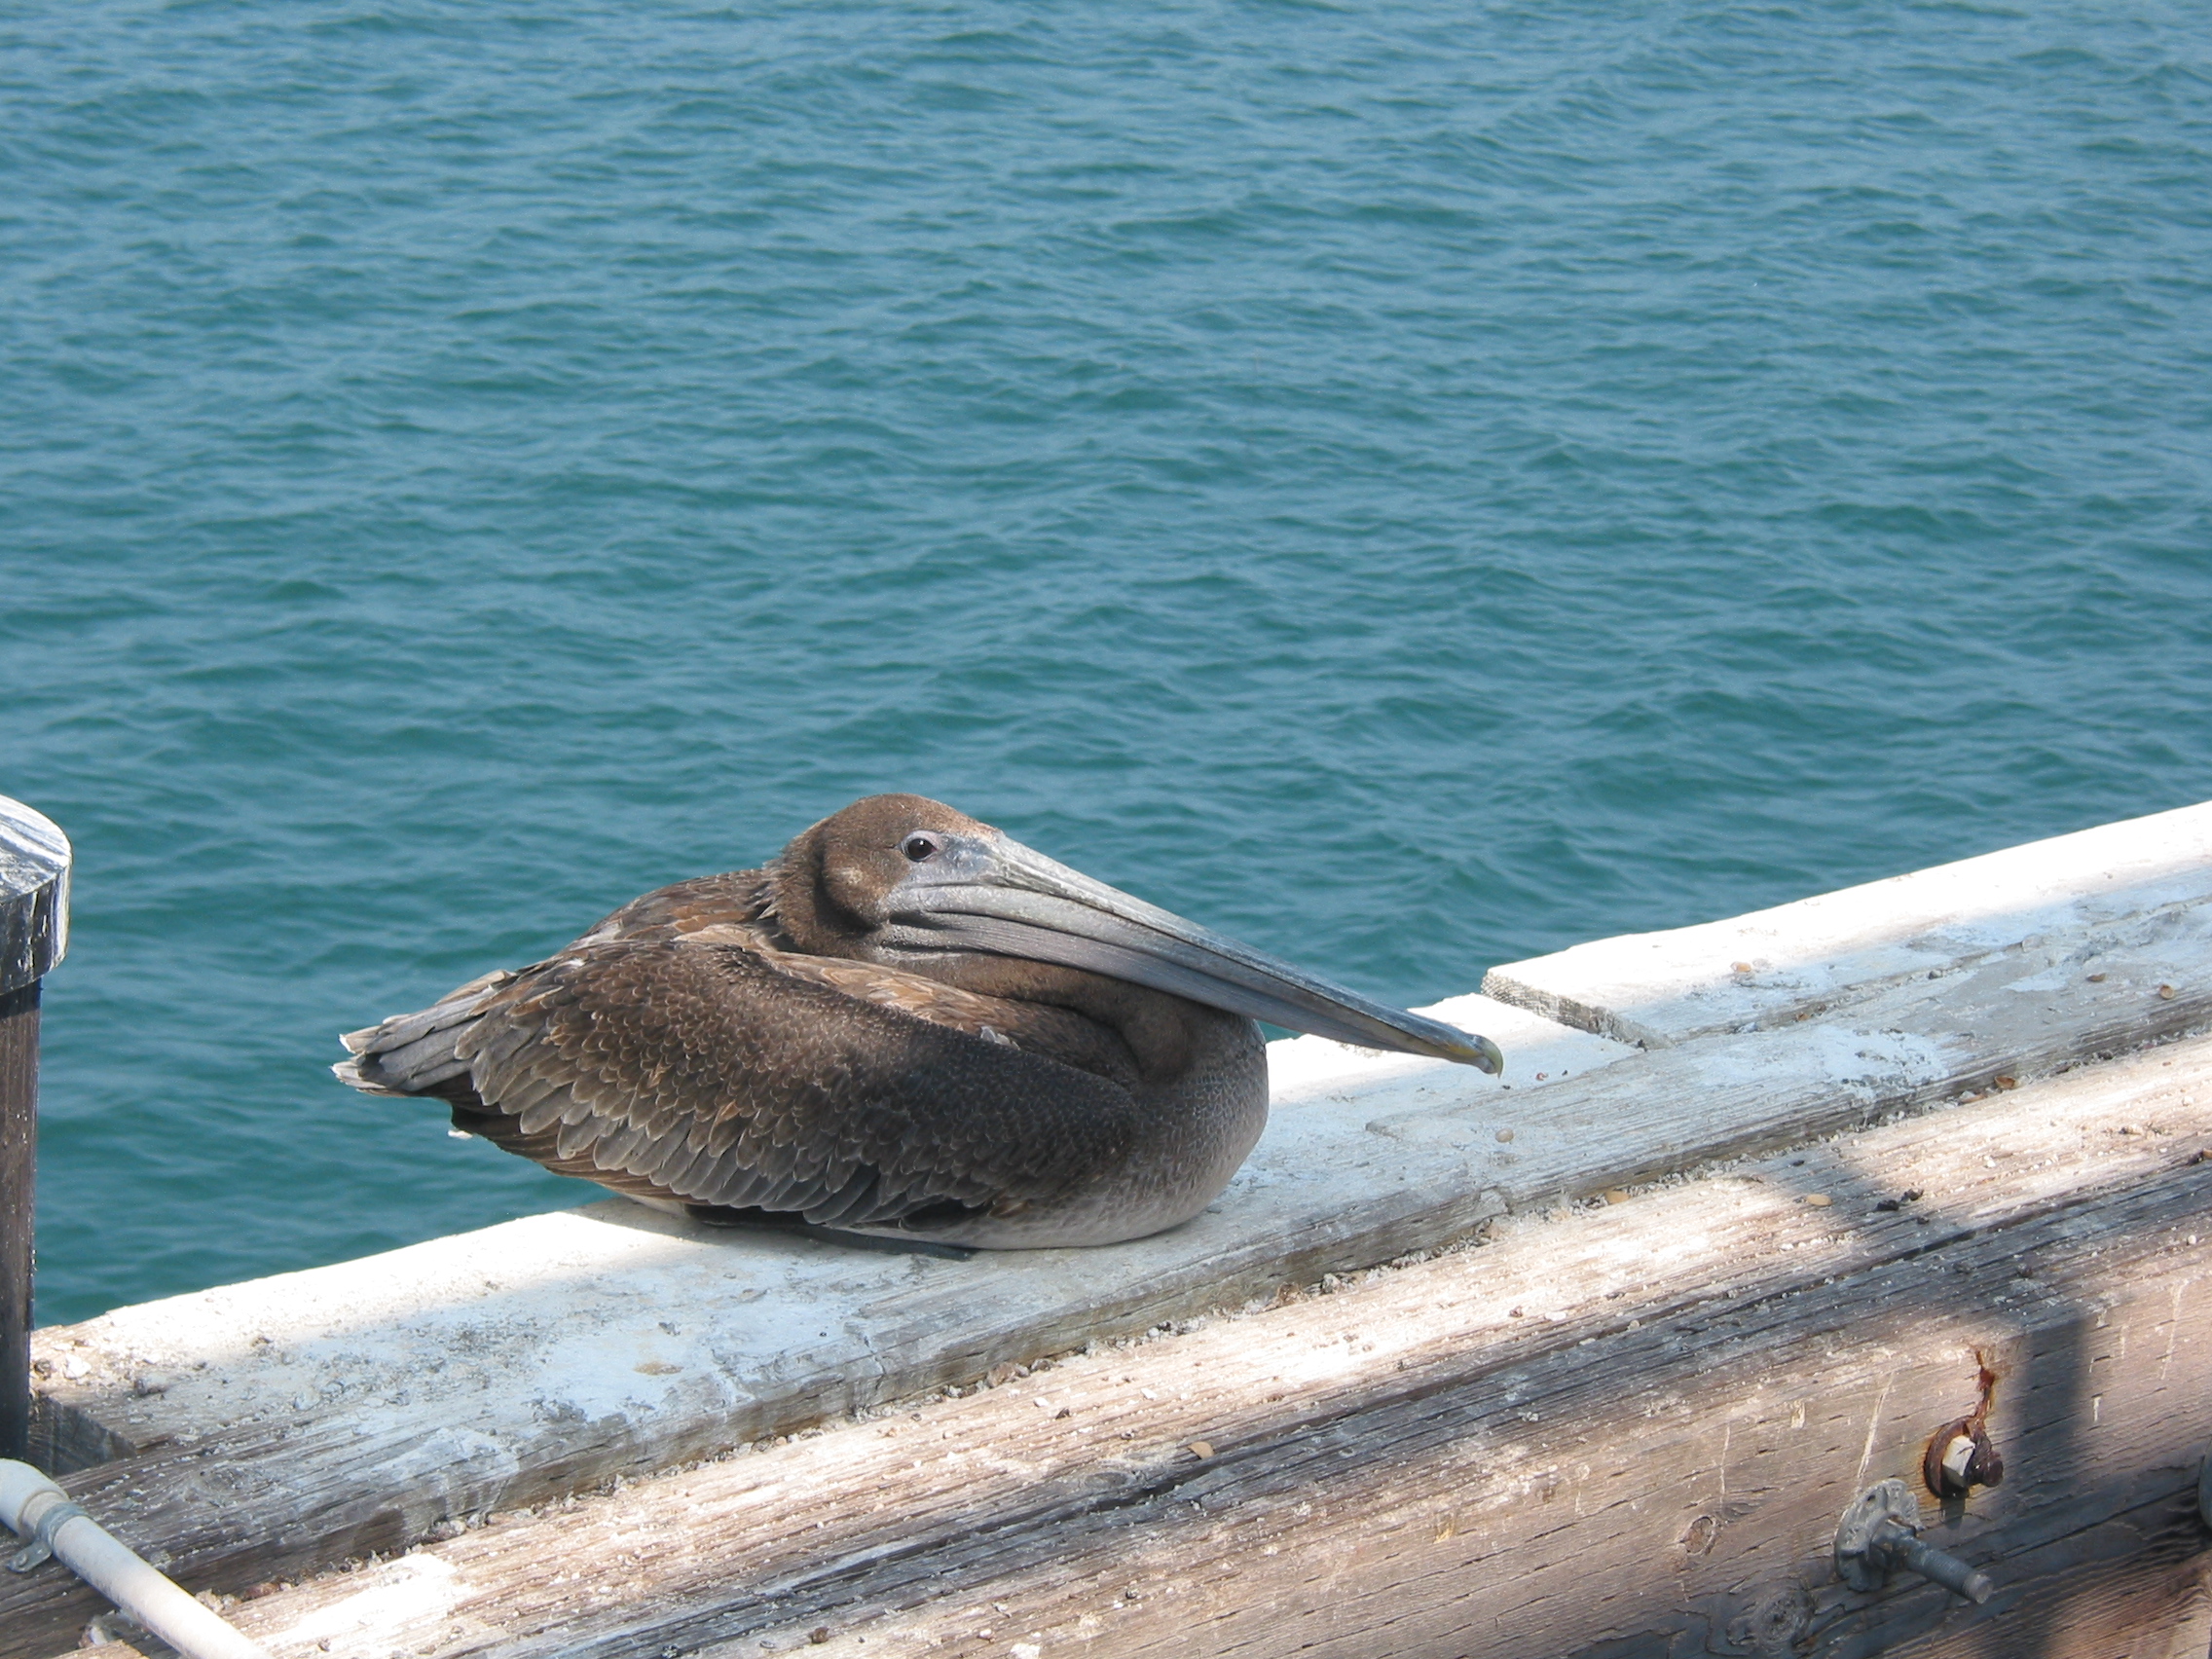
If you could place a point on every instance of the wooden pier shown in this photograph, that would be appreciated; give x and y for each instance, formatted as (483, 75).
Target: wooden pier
(1590, 1361)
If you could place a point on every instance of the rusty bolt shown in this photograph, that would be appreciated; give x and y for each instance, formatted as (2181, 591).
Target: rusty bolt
(1961, 1457)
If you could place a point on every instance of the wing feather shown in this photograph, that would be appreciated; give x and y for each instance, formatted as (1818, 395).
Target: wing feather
(676, 1050)
(681, 1049)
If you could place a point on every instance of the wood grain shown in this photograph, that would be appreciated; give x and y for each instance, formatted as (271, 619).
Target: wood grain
(1627, 1430)
(19, 1167)
(497, 1370)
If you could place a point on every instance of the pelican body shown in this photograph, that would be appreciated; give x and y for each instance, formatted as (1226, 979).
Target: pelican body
(906, 1024)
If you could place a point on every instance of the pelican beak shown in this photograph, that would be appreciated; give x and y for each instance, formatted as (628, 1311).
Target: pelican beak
(996, 895)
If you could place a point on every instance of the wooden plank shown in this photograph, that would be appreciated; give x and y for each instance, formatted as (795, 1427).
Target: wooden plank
(2066, 898)
(294, 1421)
(291, 1421)
(1626, 1430)
(537, 1305)
(491, 1369)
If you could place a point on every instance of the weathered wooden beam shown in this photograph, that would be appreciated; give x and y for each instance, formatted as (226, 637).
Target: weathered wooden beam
(34, 931)
(282, 1425)
(18, 1181)
(1624, 1430)
(295, 1420)
(2128, 880)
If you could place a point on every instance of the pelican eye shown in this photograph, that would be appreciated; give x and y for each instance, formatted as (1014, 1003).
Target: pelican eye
(919, 847)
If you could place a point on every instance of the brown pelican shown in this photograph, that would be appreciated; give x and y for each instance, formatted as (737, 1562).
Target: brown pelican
(907, 1024)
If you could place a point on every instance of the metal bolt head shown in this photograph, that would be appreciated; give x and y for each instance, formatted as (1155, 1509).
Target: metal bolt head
(1880, 1534)
(1961, 1457)
(1859, 1560)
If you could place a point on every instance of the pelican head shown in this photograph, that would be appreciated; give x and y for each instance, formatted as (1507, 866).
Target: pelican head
(910, 882)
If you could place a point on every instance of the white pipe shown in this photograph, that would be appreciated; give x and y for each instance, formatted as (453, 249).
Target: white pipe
(41, 1512)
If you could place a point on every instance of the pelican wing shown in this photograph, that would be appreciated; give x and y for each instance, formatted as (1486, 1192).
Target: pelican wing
(700, 1063)
(734, 905)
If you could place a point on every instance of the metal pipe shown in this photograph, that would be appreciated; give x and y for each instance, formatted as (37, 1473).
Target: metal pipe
(34, 931)
(42, 1514)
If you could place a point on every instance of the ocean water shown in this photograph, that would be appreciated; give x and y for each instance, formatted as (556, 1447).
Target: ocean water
(1411, 485)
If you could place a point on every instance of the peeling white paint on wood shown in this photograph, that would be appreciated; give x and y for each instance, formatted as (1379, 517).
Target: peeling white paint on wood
(34, 893)
(1742, 1428)
(494, 1348)
(2136, 887)
(359, 1406)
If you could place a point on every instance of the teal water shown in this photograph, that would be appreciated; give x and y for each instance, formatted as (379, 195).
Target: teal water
(1412, 486)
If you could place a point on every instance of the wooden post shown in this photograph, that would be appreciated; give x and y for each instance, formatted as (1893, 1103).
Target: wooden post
(34, 931)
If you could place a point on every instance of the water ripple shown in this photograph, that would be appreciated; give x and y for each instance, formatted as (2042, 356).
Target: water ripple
(1413, 488)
